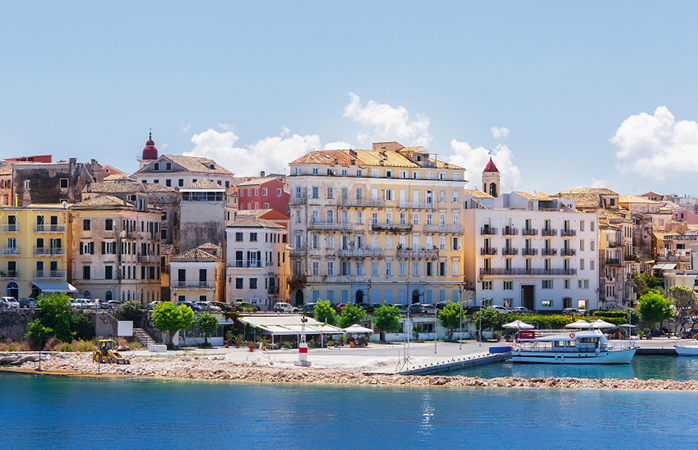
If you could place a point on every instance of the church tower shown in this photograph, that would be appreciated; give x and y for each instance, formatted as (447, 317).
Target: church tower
(490, 179)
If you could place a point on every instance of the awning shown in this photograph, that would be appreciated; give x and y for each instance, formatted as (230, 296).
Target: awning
(289, 325)
(664, 267)
(54, 286)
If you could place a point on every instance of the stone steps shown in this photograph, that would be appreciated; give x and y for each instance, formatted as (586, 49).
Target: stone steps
(143, 337)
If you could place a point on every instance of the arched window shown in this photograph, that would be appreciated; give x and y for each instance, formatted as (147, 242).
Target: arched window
(12, 290)
(415, 296)
(359, 297)
(493, 189)
(299, 297)
(86, 294)
(108, 296)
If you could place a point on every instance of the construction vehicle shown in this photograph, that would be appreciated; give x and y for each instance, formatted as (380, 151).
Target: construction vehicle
(106, 353)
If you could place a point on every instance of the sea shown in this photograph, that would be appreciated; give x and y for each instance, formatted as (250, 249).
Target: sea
(40, 412)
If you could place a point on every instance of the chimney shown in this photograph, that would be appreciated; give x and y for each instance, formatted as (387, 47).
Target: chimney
(261, 174)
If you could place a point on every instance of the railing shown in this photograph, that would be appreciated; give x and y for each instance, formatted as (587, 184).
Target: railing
(361, 253)
(49, 228)
(193, 284)
(568, 233)
(613, 244)
(564, 272)
(297, 201)
(297, 280)
(9, 274)
(268, 263)
(547, 346)
(418, 254)
(10, 250)
(297, 252)
(613, 262)
(12, 227)
(488, 251)
(444, 229)
(529, 232)
(49, 274)
(273, 290)
(164, 269)
(391, 227)
(548, 252)
(248, 264)
(360, 203)
(529, 251)
(509, 231)
(488, 231)
(417, 205)
(510, 251)
(330, 226)
(568, 252)
(147, 258)
(548, 232)
(48, 251)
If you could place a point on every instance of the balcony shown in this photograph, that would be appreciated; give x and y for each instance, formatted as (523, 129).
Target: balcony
(510, 231)
(488, 231)
(164, 269)
(361, 253)
(273, 290)
(8, 274)
(49, 228)
(548, 232)
(297, 201)
(568, 252)
(529, 232)
(443, 229)
(489, 251)
(330, 226)
(528, 272)
(10, 228)
(612, 262)
(568, 233)
(297, 252)
(249, 264)
(418, 205)
(297, 281)
(148, 259)
(548, 252)
(418, 254)
(391, 227)
(613, 244)
(10, 251)
(48, 251)
(360, 203)
(510, 251)
(529, 251)
(193, 285)
(49, 274)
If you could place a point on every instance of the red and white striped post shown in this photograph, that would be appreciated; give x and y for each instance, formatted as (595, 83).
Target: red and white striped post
(303, 346)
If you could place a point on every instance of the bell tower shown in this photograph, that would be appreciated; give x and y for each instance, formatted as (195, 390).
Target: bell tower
(490, 179)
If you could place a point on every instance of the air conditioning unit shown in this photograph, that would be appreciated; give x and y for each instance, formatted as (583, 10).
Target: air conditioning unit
(334, 172)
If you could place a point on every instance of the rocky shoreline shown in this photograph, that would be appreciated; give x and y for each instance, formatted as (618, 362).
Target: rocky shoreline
(218, 368)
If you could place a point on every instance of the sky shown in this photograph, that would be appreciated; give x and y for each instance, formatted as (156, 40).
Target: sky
(561, 94)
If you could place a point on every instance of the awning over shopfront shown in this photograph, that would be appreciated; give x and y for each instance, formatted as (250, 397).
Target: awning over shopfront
(289, 325)
(55, 286)
(664, 267)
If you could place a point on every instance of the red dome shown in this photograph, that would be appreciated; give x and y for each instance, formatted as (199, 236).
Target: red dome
(149, 151)
(490, 167)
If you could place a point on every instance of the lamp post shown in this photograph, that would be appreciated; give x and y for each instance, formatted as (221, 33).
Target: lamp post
(460, 313)
(436, 323)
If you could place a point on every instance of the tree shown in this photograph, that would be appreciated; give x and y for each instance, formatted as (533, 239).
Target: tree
(39, 333)
(685, 302)
(639, 285)
(55, 316)
(652, 282)
(130, 310)
(350, 315)
(654, 307)
(207, 323)
(82, 327)
(325, 313)
(169, 318)
(450, 317)
(386, 319)
(490, 319)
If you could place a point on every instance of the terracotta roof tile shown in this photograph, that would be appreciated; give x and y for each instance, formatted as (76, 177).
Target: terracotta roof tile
(194, 255)
(203, 184)
(253, 222)
(113, 188)
(103, 201)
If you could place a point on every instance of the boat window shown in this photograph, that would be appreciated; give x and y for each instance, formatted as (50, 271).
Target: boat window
(559, 343)
(571, 343)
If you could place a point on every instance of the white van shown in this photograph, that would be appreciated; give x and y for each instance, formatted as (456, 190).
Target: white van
(8, 302)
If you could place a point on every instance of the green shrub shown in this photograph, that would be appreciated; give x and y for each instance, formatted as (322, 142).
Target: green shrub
(81, 326)
(287, 345)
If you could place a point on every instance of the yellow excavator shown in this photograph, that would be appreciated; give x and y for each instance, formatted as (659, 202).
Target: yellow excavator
(106, 353)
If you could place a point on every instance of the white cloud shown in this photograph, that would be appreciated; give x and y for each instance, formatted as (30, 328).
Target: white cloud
(339, 145)
(271, 154)
(475, 160)
(387, 123)
(226, 127)
(284, 131)
(500, 133)
(184, 128)
(657, 146)
(598, 183)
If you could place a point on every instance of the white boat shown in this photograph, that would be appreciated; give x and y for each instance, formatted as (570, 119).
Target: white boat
(686, 348)
(583, 347)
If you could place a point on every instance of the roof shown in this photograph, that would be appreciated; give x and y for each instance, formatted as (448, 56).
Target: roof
(166, 249)
(209, 246)
(191, 164)
(120, 177)
(595, 191)
(536, 196)
(103, 201)
(202, 184)
(197, 254)
(260, 180)
(44, 205)
(368, 158)
(253, 222)
(490, 167)
(6, 170)
(474, 193)
(582, 200)
(157, 187)
(634, 199)
(113, 188)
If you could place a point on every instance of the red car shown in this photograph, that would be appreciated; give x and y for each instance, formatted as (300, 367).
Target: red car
(338, 307)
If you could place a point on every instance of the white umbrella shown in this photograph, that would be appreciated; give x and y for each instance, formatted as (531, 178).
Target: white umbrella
(519, 325)
(601, 324)
(357, 329)
(578, 324)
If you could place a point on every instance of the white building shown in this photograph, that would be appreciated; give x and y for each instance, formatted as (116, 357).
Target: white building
(532, 251)
(257, 263)
(197, 274)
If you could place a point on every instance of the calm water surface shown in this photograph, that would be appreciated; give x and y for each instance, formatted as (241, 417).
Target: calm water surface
(42, 412)
(642, 367)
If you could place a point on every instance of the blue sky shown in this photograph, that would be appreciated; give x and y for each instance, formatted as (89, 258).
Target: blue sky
(590, 93)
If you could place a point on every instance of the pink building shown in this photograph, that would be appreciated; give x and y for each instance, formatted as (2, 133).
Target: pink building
(268, 192)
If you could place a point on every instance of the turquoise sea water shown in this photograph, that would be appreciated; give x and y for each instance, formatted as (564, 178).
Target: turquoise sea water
(642, 367)
(56, 413)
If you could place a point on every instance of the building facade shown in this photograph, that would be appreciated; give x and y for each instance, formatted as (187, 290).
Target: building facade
(197, 274)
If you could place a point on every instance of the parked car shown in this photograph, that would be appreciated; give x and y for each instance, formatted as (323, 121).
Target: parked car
(338, 307)
(521, 310)
(8, 302)
(309, 308)
(429, 308)
(27, 303)
(207, 306)
(81, 303)
(416, 308)
(573, 312)
(223, 306)
(152, 305)
(246, 307)
(112, 304)
(193, 307)
(442, 305)
(285, 307)
(368, 307)
(500, 309)
(402, 308)
(470, 310)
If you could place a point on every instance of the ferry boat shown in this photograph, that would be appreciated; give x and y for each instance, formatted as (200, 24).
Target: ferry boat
(583, 347)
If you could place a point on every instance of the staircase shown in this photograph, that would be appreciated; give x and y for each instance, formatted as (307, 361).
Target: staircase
(143, 337)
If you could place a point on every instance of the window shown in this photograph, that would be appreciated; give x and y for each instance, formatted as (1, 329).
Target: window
(278, 192)
(508, 302)
(359, 173)
(253, 237)
(330, 268)
(374, 268)
(581, 264)
(108, 272)
(486, 285)
(546, 303)
(87, 248)
(346, 268)
(86, 272)
(508, 285)
(316, 268)
(388, 174)
(238, 237)
(168, 166)
(27, 184)
(86, 224)
(415, 268)
(316, 192)
(264, 192)
(547, 284)
(430, 175)
(581, 225)
(239, 283)
(583, 284)
(402, 268)
(455, 268)
(581, 245)
(315, 171)
(388, 268)
(64, 183)
(415, 175)
(330, 193)
(253, 283)
(403, 174)
(456, 177)
(567, 284)
(486, 302)
(390, 194)
(442, 175)
(591, 265)
(581, 304)
(591, 226)
(415, 218)
(456, 196)
(109, 225)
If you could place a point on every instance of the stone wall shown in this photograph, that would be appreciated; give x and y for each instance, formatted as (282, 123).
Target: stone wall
(13, 323)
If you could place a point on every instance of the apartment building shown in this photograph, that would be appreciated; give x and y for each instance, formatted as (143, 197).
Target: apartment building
(257, 264)
(197, 274)
(34, 255)
(264, 192)
(379, 226)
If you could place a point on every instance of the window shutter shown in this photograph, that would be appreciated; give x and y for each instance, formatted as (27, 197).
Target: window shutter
(104, 247)
(82, 244)
(92, 248)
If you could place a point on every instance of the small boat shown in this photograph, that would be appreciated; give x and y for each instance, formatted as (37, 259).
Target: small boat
(583, 347)
(689, 348)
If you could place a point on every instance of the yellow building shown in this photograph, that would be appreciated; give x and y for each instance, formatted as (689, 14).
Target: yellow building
(198, 275)
(34, 256)
(376, 226)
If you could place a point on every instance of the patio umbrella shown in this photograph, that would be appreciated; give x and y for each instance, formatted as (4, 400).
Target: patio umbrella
(601, 324)
(519, 325)
(578, 324)
(357, 329)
